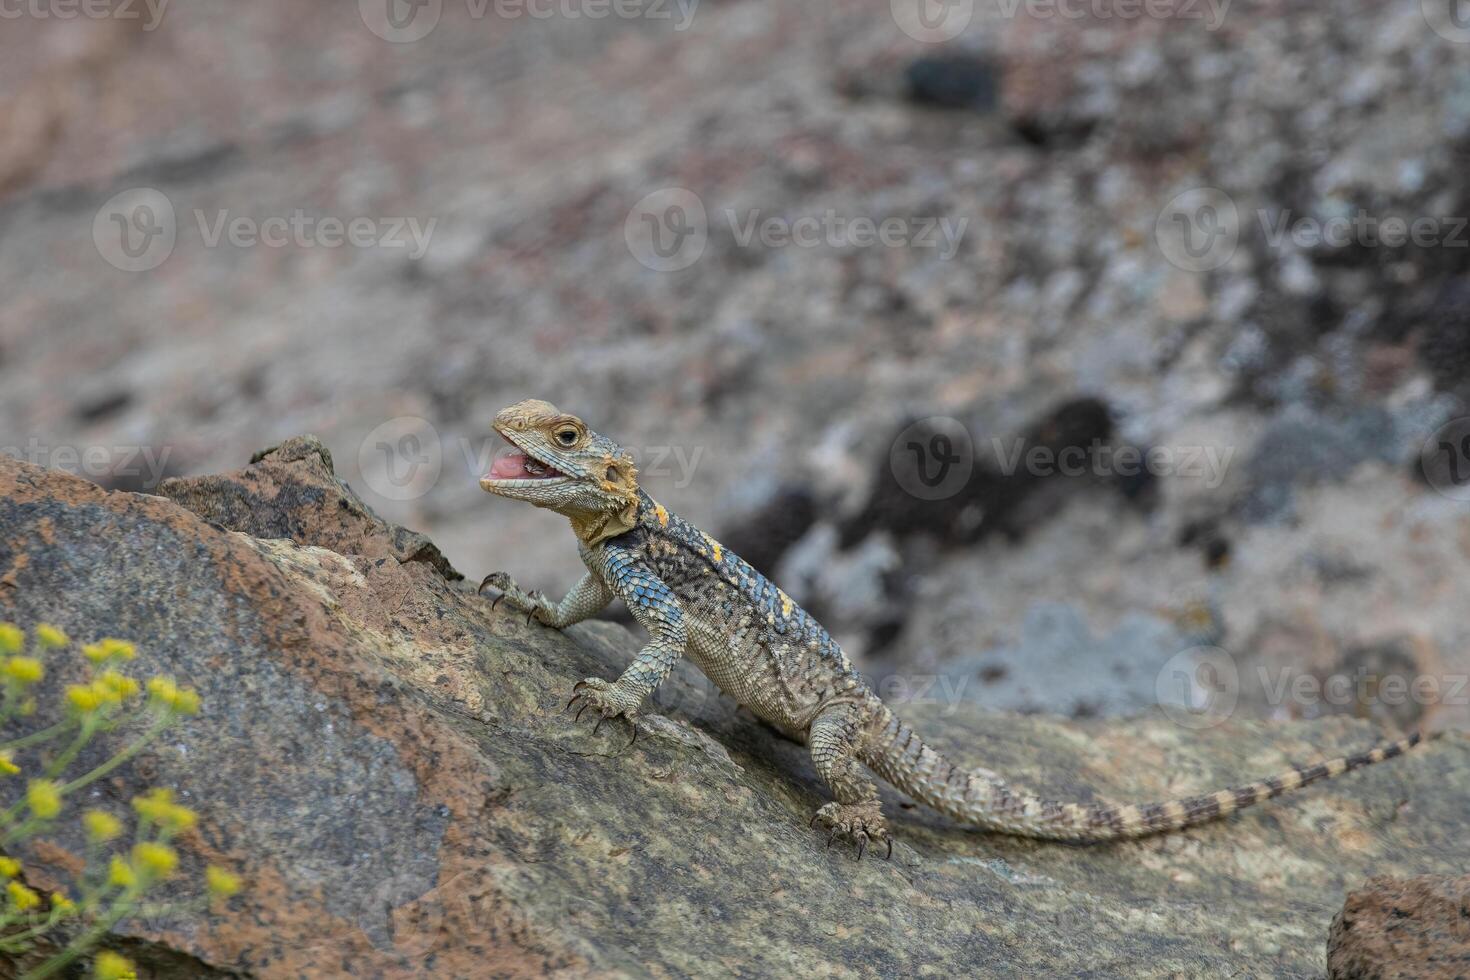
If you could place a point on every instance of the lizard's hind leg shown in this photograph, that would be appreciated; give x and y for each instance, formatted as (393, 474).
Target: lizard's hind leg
(856, 812)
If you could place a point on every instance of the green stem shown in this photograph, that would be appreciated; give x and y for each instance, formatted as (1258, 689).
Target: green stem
(87, 940)
(40, 736)
(64, 759)
(120, 758)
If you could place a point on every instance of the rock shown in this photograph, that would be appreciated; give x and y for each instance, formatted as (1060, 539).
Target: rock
(289, 491)
(385, 760)
(1402, 929)
(953, 81)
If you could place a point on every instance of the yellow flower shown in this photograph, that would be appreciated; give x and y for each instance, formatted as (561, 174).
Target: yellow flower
(9, 867)
(221, 882)
(159, 806)
(26, 670)
(12, 640)
(84, 698)
(120, 873)
(101, 825)
(163, 690)
(110, 966)
(44, 798)
(28, 707)
(94, 652)
(62, 904)
(118, 685)
(51, 637)
(21, 896)
(155, 860)
(7, 764)
(187, 703)
(121, 649)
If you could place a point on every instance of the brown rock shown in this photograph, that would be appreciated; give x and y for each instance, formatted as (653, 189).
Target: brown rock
(1403, 929)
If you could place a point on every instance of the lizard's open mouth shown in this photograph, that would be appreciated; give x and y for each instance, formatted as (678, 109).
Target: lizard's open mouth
(515, 464)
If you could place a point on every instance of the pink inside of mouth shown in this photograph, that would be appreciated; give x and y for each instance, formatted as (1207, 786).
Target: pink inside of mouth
(513, 464)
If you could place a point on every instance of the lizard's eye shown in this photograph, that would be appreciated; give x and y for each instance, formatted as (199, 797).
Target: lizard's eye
(567, 437)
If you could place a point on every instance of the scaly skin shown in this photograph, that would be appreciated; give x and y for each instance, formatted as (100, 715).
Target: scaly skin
(696, 599)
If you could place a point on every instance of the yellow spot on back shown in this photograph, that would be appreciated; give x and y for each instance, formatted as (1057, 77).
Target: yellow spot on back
(661, 514)
(786, 603)
(719, 552)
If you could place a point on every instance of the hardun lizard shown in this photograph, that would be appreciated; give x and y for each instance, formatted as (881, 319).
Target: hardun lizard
(695, 598)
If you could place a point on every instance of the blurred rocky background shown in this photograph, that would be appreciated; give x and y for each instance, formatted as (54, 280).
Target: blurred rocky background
(1099, 420)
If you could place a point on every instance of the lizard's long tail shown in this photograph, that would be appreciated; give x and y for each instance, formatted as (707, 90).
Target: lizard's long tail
(980, 798)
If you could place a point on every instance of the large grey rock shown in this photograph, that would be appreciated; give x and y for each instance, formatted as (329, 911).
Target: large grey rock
(386, 761)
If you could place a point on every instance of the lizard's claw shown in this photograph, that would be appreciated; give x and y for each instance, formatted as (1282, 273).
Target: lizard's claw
(862, 822)
(606, 700)
(533, 604)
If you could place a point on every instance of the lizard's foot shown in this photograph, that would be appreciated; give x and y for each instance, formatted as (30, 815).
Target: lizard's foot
(607, 700)
(863, 822)
(533, 604)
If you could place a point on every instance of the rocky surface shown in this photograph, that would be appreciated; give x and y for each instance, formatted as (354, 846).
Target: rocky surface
(1403, 929)
(386, 761)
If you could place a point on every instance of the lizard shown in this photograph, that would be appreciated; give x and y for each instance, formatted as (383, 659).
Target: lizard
(698, 600)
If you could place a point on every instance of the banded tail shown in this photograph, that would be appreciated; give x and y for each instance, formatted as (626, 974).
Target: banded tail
(980, 798)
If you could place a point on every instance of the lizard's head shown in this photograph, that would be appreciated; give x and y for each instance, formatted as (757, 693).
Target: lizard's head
(555, 461)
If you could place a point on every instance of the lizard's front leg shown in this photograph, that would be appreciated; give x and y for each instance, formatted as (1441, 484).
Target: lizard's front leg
(656, 609)
(586, 599)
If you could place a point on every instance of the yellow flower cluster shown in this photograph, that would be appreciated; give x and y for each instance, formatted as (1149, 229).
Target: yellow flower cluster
(109, 649)
(22, 897)
(19, 671)
(108, 965)
(101, 826)
(43, 796)
(158, 806)
(180, 700)
(9, 867)
(221, 883)
(154, 860)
